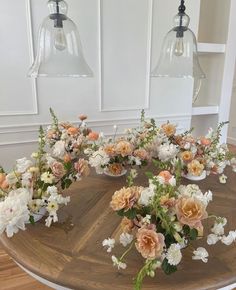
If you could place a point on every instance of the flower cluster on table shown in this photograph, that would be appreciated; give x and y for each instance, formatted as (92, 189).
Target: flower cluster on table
(161, 220)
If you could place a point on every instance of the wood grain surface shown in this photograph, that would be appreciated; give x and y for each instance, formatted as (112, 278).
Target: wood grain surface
(70, 252)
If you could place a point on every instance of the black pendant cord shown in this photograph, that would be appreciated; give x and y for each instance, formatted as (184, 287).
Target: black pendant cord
(58, 9)
(181, 9)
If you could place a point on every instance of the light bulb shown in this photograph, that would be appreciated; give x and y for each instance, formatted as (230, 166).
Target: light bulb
(179, 46)
(60, 39)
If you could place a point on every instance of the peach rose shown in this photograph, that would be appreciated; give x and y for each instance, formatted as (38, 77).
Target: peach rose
(169, 129)
(51, 134)
(73, 131)
(58, 169)
(167, 201)
(126, 225)
(195, 168)
(205, 141)
(124, 148)
(110, 149)
(141, 153)
(93, 136)
(187, 156)
(190, 211)
(125, 198)
(82, 167)
(3, 182)
(115, 168)
(149, 243)
(166, 175)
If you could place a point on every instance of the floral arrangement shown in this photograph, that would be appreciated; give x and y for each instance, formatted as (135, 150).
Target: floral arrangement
(35, 186)
(160, 221)
(114, 155)
(203, 155)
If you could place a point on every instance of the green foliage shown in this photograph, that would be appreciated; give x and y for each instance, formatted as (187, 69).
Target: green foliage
(130, 214)
(167, 268)
(31, 220)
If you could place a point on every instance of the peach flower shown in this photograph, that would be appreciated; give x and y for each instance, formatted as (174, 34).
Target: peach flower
(67, 158)
(82, 167)
(124, 148)
(169, 129)
(166, 175)
(72, 130)
(149, 243)
(167, 201)
(187, 156)
(125, 198)
(205, 141)
(126, 225)
(58, 169)
(3, 182)
(195, 168)
(110, 149)
(141, 153)
(115, 168)
(93, 136)
(51, 134)
(190, 211)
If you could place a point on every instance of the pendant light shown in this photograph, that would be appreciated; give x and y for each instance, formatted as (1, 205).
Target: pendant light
(59, 48)
(179, 56)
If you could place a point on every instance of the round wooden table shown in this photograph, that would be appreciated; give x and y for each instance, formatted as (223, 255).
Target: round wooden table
(70, 253)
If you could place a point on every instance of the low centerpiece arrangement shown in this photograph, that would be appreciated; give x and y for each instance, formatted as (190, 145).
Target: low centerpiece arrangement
(35, 186)
(161, 220)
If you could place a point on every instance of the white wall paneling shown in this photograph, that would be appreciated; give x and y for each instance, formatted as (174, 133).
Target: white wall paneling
(125, 54)
(18, 94)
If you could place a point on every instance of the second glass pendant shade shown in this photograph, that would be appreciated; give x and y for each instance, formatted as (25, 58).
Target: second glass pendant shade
(59, 48)
(179, 55)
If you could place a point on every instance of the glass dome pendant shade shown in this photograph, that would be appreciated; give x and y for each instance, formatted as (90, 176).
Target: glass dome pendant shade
(179, 55)
(59, 51)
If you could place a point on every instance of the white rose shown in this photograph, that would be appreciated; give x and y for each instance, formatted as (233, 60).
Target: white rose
(146, 197)
(59, 149)
(23, 164)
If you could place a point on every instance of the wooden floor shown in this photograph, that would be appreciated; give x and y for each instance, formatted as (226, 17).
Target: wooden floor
(13, 278)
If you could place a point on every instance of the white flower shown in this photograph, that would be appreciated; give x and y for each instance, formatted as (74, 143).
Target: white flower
(133, 173)
(147, 219)
(35, 205)
(34, 155)
(23, 164)
(172, 181)
(14, 214)
(167, 152)
(59, 149)
(11, 178)
(26, 177)
(212, 239)
(52, 206)
(118, 264)
(126, 239)
(228, 240)
(223, 179)
(98, 160)
(52, 190)
(47, 177)
(21, 193)
(51, 218)
(109, 244)
(218, 228)
(146, 197)
(174, 254)
(201, 254)
(177, 226)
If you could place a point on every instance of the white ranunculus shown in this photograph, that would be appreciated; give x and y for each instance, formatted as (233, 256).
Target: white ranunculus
(59, 149)
(174, 254)
(167, 152)
(126, 239)
(146, 197)
(23, 164)
(99, 158)
(201, 254)
(212, 239)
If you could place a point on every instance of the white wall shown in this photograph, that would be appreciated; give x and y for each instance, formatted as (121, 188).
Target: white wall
(232, 119)
(121, 41)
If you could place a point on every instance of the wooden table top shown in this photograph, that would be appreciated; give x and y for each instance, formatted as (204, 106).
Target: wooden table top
(70, 253)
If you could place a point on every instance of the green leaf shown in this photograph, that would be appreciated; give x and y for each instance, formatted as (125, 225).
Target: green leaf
(31, 220)
(186, 230)
(193, 234)
(130, 214)
(167, 268)
(149, 174)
